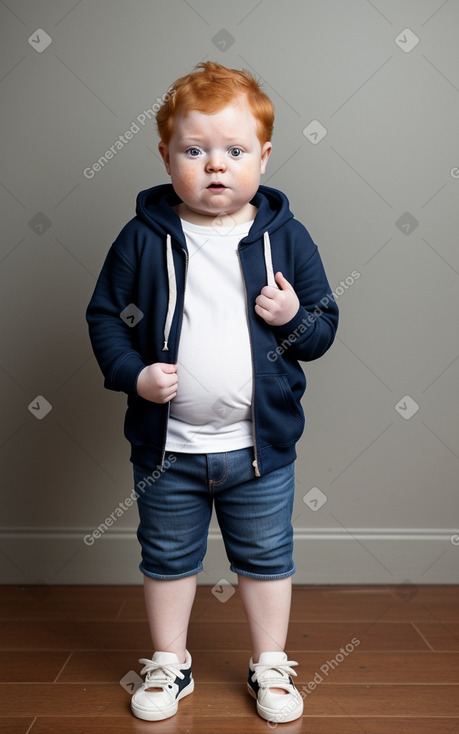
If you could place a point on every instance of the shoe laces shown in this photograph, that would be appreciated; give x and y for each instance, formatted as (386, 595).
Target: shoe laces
(266, 671)
(160, 674)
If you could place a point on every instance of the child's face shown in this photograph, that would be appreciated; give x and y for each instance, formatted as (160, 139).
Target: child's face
(215, 161)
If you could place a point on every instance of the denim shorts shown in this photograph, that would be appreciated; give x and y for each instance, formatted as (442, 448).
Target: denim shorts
(254, 515)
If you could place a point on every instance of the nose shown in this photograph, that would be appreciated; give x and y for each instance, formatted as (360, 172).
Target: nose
(215, 162)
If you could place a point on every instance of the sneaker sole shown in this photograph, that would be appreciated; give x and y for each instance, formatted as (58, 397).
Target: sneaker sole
(160, 715)
(274, 716)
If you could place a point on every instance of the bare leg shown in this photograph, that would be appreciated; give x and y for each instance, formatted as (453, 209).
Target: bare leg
(169, 606)
(267, 606)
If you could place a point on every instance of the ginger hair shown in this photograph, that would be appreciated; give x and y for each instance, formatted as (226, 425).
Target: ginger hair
(209, 88)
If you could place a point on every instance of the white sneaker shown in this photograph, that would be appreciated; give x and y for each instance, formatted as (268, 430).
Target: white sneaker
(273, 670)
(163, 672)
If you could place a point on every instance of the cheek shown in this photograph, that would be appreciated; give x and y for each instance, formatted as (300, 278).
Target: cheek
(184, 178)
(249, 177)
(246, 178)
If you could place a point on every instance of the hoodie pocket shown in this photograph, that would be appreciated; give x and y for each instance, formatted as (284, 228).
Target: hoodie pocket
(279, 419)
(144, 422)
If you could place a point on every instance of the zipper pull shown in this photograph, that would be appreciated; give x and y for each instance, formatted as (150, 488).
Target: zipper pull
(255, 465)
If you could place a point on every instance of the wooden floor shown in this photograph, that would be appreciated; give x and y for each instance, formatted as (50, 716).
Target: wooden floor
(65, 649)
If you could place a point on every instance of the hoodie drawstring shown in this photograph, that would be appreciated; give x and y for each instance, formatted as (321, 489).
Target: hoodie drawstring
(268, 261)
(172, 283)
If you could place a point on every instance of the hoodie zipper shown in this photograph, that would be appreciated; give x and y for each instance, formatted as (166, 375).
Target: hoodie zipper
(255, 461)
(163, 455)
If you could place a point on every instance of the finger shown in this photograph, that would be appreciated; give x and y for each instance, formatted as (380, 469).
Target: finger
(270, 291)
(168, 368)
(264, 313)
(167, 382)
(264, 302)
(169, 391)
(282, 282)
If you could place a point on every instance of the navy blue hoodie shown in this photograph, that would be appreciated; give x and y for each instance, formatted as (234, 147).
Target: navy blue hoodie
(145, 273)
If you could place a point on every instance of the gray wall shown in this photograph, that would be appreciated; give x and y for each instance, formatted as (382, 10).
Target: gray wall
(379, 194)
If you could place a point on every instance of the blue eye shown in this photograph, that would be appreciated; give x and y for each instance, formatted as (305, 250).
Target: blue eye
(193, 152)
(236, 152)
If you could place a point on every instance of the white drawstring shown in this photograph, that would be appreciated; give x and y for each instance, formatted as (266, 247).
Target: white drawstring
(268, 260)
(172, 300)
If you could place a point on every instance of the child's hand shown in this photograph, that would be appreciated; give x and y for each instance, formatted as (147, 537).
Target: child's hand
(158, 382)
(277, 305)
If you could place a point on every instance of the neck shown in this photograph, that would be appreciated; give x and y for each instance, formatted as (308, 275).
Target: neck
(223, 219)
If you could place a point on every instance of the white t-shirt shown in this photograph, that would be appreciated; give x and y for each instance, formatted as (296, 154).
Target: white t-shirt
(212, 409)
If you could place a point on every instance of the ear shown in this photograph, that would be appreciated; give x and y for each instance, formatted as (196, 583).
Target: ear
(265, 153)
(164, 150)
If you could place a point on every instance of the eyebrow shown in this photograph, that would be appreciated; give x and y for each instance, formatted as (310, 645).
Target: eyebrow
(198, 138)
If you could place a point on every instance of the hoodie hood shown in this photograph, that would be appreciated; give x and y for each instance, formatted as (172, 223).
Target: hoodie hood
(155, 208)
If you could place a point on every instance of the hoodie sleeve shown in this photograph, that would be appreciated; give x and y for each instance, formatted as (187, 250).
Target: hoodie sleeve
(113, 338)
(312, 330)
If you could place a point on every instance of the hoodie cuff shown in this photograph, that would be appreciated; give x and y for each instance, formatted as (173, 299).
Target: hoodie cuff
(125, 374)
(294, 328)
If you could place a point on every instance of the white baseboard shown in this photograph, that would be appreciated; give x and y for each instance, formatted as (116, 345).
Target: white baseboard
(322, 556)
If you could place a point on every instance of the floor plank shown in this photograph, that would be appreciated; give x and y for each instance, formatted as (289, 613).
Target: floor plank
(40, 667)
(383, 700)
(78, 635)
(440, 636)
(19, 725)
(371, 636)
(382, 667)
(65, 602)
(387, 604)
